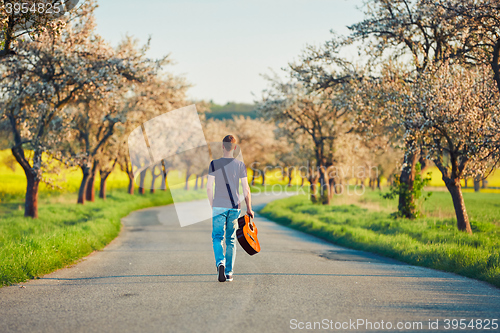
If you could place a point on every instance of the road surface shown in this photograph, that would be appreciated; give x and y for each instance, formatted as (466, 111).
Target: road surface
(159, 277)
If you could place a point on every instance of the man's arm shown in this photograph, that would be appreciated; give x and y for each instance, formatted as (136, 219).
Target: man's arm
(248, 198)
(210, 189)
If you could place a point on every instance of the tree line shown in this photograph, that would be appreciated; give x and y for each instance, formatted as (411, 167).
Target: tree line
(425, 89)
(67, 95)
(426, 84)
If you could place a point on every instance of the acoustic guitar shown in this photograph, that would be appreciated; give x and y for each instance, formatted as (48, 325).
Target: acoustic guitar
(247, 235)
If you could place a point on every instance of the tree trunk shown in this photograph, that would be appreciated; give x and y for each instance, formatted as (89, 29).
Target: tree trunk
(324, 184)
(31, 200)
(312, 187)
(476, 185)
(253, 177)
(9, 38)
(289, 174)
(423, 162)
(264, 177)
(313, 180)
(202, 181)
(378, 183)
(196, 182)
(484, 183)
(186, 187)
(164, 181)
(164, 173)
(130, 183)
(102, 188)
(455, 190)
(83, 185)
(331, 188)
(302, 182)
(337, 185)
(153, 181)
(32, 178)
(90, 189)
(465, 182)
(154, 176)
(406, 205)
(495, 63)
(142, 178)
(104, 174)
(90, 195)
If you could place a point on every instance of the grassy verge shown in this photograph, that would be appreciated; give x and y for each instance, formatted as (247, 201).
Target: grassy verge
(65, 231)
(431, 241)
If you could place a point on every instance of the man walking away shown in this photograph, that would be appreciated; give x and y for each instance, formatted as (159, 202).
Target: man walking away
(226, 172)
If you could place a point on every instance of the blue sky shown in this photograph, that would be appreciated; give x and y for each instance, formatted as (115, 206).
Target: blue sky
(221, 46)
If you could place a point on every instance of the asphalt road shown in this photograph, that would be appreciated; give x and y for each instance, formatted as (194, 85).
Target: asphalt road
(159, 277)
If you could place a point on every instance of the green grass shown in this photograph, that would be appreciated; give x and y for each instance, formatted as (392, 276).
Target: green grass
(481, 207)
(66, 231)
(430, 241)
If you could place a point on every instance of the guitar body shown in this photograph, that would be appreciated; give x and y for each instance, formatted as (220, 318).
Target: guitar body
(247, 235)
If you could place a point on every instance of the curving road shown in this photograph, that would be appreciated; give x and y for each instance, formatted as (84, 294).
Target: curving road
(159, 277)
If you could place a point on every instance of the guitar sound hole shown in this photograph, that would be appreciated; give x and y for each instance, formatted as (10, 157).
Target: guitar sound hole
(250, 226)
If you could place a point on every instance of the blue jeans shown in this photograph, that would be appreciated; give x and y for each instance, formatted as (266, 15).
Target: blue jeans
(224, 221)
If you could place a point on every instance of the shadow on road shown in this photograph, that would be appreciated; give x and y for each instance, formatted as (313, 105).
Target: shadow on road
(239, 274)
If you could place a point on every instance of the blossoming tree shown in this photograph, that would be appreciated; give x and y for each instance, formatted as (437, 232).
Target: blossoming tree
(42, 80)
(456, 112)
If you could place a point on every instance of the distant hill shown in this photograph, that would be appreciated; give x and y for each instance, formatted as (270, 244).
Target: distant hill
(231, 109)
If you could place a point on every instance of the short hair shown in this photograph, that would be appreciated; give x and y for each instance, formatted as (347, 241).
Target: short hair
(229, 142)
